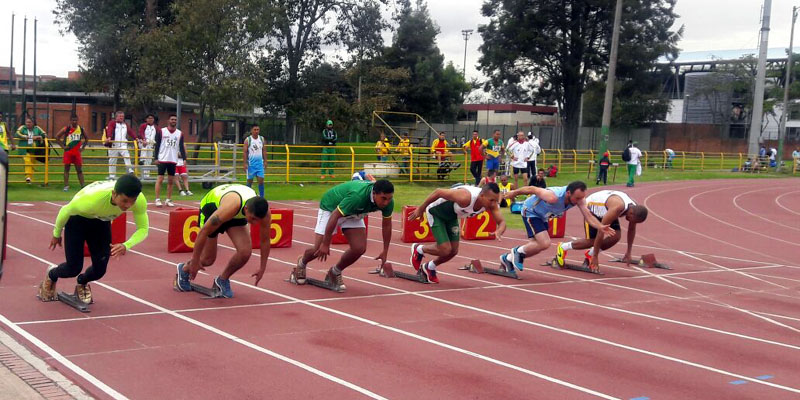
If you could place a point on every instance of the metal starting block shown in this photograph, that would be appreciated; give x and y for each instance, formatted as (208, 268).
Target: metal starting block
(647, 261)
(73, 301)
(387, 271)
(476, 267)
(314, 282)
(209, 292)
(582, 268)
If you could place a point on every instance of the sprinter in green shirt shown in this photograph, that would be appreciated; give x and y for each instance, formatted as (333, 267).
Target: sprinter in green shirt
(227, 209)
(345, 205)
(87, 218)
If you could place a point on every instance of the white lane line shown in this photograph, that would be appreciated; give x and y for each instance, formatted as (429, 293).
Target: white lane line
(337, 312)
(777, 201)
(60, 358)
(212, 329)
(771, 222)
(521, 288)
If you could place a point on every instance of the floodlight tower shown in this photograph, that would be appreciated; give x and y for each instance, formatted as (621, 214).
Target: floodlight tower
(466, 33)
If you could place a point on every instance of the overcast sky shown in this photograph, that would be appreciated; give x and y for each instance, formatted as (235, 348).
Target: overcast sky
(709, 25)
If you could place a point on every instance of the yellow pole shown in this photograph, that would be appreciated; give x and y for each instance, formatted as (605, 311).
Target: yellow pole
(559, 159)
(466, 163)
(216, 161)
(645, 160)
(287, 163)
(544, 157)
(574, 161)
(665, 159)
(46, 161)
(702, 160)
(721, 160)
(136, 158)
(740, 161)
(352, 161)
(683, 161)
(410, 164)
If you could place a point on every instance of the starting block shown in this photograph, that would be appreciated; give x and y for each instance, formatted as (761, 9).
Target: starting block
(313, 282)
(208, 292)
(582, 268)
(476, 267)
(647, 261)
(387, 271)
(73, 301)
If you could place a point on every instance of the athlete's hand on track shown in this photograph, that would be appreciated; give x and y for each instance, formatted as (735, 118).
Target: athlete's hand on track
(382, 257)
(55, 241)
(258, 275)
(608, 231)
(118, 249)
(594, 265)
(497, 236)
(627, 259)
(416, 214)
(323, 251)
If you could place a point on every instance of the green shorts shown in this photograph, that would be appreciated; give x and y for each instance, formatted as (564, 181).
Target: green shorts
(445, 224)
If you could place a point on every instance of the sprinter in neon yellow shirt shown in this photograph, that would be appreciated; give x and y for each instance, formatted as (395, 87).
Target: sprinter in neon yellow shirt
(227, 209)
(87, 218)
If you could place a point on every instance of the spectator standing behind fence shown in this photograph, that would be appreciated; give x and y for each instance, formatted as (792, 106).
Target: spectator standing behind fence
(329, 150)
(476, 147)
(773, 153)
(4, 134)
(633, 160)
(70, 138)
(796, 155)
(382, 147)
(118, 133)
(602, 171)
(33, 136)
(147, 139)
(169, 146)
(494, 151)
(534, 141)
(404, 148)
(520, 150)
(439, 148)
(254, 155)
(670, 157)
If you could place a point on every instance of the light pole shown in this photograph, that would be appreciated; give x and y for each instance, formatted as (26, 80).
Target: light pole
(609, 96)
(786, 83)
(466, 33)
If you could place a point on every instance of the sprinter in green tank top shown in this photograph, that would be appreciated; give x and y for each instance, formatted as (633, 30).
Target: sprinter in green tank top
(227, 208)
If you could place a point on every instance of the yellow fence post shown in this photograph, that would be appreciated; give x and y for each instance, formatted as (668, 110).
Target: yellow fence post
(544, 157)
(410, 164)
(287, 162)
(559, 159)
(683, 161)
(721, 160)
(466, 163)
(574, 161)
(740, 161)
(46, 161)
(216, 162)
(645, 160)
(352, 161)
(702, 161)
(136, 166)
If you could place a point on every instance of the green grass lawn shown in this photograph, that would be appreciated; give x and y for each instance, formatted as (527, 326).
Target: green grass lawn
(405, 193)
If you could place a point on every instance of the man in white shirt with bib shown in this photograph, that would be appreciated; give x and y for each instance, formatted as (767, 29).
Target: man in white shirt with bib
(169, 143)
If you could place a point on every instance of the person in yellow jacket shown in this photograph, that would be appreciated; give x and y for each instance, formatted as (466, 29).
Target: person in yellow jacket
(404, 148)
(4, 134)
(29, 136)
(382, 147)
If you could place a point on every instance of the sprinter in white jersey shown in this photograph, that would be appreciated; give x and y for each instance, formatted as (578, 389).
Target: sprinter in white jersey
(169, 143)
(254, 155)
(444, 208)
(607, 206)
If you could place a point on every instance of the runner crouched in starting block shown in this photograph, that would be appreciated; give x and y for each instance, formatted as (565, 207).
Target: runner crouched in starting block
(606, 206)
(345, 205)
(87, 218)
(444, 208)
(546, 203)
(227, 209)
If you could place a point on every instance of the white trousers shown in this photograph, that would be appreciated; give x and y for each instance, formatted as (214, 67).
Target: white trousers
(113, 156)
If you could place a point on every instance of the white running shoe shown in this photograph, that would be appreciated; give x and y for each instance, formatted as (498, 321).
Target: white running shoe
(158, 202)
(169, 203)
(189, 193)
(183, 193)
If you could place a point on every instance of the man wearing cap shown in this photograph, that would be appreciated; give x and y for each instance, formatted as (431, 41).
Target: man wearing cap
(328, 149)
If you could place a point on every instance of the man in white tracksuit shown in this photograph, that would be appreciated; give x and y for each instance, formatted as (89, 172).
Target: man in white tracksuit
(147, 140)
(534, 141)
(118, 133)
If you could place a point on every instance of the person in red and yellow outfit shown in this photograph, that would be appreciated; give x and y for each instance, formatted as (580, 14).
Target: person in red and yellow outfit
(70, 138)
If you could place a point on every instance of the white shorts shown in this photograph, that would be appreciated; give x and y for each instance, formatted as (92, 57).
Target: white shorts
(353, 221)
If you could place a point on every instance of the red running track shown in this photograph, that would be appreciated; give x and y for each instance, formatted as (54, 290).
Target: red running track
(722, 323)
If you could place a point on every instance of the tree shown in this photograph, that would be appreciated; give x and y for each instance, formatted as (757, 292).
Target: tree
(637, 100)
(565, 43)
(206, 55)
(64, 85)
(108, 32)
(295, 40)
(435, 90)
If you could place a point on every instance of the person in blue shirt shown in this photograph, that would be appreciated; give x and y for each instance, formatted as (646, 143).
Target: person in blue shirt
(536, 212)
